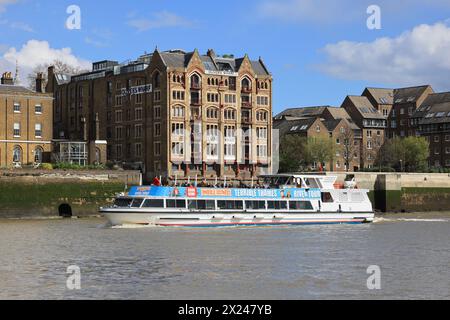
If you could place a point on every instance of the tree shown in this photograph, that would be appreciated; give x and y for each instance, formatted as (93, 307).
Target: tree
(320, 150)
(60, 67)
(292, 153)
(406, 154)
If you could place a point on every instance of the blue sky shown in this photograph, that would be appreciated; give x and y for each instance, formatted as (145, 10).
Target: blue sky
(318, 51)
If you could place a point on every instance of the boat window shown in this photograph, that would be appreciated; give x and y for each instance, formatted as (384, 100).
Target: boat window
(201, 205)
(179, 204)
(137, 203)
(122, 202)
(277, 205)
(153, 203)
(255, 205)
(327, 197)
(300, 205)
(230, 205)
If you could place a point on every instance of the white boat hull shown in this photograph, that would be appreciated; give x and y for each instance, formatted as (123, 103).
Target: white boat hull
(119, 218)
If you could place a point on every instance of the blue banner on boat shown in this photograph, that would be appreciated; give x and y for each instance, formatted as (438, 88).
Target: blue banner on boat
(204, 193)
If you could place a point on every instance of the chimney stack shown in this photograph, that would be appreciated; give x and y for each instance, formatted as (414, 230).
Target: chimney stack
(7, 78)
(40, 82)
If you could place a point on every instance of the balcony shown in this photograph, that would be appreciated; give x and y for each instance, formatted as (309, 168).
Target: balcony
(246, 90)
(246, 104)
(196, 102)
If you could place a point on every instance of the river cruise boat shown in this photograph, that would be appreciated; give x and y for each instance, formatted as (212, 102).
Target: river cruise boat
(281, 200)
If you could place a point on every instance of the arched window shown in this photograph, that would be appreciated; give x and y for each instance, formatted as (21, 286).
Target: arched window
(17, 154)
(245, 84)
(156, 80)
(178, 112)
(195, 81)
(174, 78)
(38, 155)
(212, 113)
(261, 116)
(230, 114)
(97, 156)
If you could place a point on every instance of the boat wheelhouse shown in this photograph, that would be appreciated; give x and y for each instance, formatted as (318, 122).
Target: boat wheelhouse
(280, 200)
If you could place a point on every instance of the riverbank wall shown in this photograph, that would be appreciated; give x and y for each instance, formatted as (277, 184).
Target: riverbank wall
(405, 192)
(31, 194)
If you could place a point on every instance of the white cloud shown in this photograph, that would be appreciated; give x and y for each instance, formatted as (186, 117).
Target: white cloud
(35, 53)
(418, 56)
(5, 3)
(163, 19)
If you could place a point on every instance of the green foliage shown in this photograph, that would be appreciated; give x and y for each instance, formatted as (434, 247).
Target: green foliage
(46, 166)
(320, 150)
(406, 154)
(73, 166)
(292, 153)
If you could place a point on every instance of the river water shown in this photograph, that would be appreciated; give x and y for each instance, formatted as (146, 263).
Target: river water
(310, 262)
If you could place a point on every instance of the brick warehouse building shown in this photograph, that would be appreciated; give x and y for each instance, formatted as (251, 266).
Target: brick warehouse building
(25, 124)
(171, 113)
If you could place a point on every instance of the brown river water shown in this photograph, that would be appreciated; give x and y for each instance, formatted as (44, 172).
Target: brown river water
(305, 262)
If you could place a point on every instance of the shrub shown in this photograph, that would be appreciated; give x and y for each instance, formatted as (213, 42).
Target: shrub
(47, 166)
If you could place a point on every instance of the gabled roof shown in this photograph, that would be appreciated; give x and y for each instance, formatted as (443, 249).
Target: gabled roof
(435, 109)
(409, 95)
(382, 95)
(365, 108)
(20, 91)
(303, 112)
(180, 59)
(295, 126)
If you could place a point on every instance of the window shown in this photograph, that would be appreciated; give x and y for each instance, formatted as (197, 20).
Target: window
(261, 133)
(157, 96)
(262, 100)
(230, 98)
(38, 130)
(138, 114)
(119, 133)
(178, 112)
(16, 129)
(230, 114)
(17, 154)
(318, 128)
(38, 152)
(201, 205)
(138, 131)
(212, 113)
(119, 116)
(38, 109)
(178, 149)
(157, 80)
(300, 205)
(153, 203)
(261, 116)
(138, 150)
(178, 95)
(369, 145)
(157, 148)
(157, 112)
(212, 97)
(277, 205)
(255, 205)
(261, 151)
(16, 107)
(178, 204)
(136, 203)
(230, 205)
(157, 130)
(436, 139)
